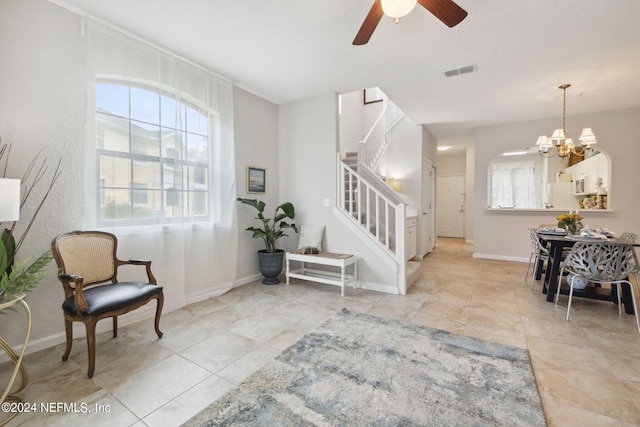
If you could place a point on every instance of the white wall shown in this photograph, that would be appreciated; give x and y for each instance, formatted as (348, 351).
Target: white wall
(452, 164)
(256, 139)
(504, 234)
(470, 190)
(402, 160)
(350, 125)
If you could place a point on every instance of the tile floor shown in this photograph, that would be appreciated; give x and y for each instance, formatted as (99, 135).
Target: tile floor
(586, 369)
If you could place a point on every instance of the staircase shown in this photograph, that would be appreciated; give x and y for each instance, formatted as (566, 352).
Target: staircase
(370, 205)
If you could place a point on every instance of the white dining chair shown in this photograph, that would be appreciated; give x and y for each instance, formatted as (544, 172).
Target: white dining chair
(628, 236)
(538, 254)
(601, 263)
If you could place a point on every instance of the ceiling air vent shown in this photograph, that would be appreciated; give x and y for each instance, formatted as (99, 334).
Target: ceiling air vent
(461, 70)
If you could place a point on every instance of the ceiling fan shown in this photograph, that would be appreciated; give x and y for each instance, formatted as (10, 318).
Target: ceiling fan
(445, 10)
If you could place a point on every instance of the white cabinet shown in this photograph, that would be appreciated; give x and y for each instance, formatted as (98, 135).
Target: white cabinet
(411, 237)
(588, 173)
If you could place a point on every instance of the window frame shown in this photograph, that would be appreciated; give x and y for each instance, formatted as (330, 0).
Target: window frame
(180, 163)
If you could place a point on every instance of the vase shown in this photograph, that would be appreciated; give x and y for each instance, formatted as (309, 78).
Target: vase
(270, 265)
(572, 228)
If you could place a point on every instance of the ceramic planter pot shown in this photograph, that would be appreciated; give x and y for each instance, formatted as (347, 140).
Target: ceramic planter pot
(270, 265)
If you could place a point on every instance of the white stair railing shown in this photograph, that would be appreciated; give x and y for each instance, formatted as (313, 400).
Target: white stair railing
(370, 149)
(374, 214)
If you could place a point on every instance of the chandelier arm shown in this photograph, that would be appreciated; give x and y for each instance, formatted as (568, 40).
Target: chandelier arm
(580, 152)
(549, 154)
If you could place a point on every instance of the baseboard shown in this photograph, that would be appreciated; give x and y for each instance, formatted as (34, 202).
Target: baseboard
(247, 280)
(500, 257)
(378, 287)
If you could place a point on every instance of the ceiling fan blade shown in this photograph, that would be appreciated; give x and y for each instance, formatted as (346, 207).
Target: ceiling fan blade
(369, 25)
(445, 10)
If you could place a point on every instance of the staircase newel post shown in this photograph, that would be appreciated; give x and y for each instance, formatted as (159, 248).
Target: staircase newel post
(401, 248)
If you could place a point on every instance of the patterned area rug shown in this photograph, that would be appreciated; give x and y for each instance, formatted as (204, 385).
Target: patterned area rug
(362, 370)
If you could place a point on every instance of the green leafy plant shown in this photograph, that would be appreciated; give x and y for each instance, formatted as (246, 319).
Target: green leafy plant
(20, 276)
(271, 229)
(24, 276)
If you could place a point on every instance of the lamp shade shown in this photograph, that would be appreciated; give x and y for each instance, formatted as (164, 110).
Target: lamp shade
(9, 199)
(558, 135)
(588, 137)
(544, 143)
(397, 8)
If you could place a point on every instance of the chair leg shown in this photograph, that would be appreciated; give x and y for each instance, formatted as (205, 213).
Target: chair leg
(633, 299)
(619, 291)
(528, 267)
(68, 329)
(570, 296)
(558, 285)
(115, 326)
(90, 325)
(158, 313)
(535, 271)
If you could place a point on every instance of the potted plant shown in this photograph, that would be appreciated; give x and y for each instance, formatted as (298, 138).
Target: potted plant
(270, 230)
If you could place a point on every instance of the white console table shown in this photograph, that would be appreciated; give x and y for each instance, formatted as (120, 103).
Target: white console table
(340, 278)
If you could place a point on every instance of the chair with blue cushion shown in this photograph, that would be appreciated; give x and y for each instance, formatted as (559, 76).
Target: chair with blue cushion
(88, 269)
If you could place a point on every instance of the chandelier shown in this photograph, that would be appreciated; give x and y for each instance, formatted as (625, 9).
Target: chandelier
(558, 143)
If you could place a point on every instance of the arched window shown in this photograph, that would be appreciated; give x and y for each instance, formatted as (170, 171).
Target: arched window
(153, 155)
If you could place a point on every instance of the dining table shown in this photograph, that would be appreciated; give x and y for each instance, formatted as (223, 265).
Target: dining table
(557, 243)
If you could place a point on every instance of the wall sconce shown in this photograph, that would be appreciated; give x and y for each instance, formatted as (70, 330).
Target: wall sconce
(10, 199)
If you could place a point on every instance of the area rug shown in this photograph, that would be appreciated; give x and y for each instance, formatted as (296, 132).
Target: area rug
(362, 370)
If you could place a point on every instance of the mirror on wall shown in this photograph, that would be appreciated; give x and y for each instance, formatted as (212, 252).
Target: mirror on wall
(525, 179)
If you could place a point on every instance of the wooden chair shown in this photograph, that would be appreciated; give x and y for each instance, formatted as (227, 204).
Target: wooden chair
(88, 269)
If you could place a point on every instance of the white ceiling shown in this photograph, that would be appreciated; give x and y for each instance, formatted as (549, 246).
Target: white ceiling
(287, 50)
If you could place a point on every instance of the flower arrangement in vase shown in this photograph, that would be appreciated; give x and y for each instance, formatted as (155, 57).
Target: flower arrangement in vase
(570, 222)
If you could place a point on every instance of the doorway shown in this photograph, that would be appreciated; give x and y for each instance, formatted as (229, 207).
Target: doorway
(450, 206)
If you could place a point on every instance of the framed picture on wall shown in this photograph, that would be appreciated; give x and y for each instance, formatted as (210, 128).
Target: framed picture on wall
(256, 180)
(372, 95)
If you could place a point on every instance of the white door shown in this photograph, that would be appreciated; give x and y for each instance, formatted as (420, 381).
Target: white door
(427, 222)
(450, 206)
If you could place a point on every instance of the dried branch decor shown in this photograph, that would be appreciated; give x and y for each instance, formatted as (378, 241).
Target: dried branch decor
(22, 276)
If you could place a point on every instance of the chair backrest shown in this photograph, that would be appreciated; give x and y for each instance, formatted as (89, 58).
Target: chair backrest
(90, 254)
(602, 261)
(536, 246)
(628, 236)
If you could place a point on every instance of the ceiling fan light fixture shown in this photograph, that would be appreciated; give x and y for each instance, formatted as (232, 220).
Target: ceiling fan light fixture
(397, 8)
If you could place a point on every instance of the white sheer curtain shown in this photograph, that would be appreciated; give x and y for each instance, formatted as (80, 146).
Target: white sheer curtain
(513, 185)
(194, 258)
